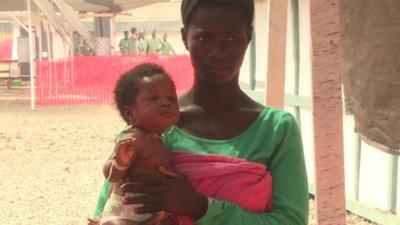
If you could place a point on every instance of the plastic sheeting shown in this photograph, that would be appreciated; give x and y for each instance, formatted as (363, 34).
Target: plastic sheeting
(91, 79)
(371, 69)
(72, 17)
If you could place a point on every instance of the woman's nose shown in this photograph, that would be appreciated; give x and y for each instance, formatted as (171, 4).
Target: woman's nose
(219, 50)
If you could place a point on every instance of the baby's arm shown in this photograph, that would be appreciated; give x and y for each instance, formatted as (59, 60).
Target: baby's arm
(121, 159)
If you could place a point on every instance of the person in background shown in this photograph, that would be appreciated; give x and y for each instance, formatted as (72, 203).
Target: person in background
(132, 48)
(166, 47)
(76, 39)
(142, 42)
(153, 43)
(123, 43)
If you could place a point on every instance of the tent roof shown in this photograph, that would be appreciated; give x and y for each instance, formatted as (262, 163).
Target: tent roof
(96, 6)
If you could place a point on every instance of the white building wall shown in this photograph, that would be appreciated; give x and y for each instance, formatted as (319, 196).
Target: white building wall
(374, 164)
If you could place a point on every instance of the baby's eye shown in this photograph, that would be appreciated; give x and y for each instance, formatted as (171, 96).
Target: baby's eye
(172, 98)
(153, 98)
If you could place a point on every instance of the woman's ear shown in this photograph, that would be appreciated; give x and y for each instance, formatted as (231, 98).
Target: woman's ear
(184, 37)
(250, 33)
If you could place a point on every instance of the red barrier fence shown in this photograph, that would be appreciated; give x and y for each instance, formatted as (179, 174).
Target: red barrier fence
(91, 79)
(5, 49)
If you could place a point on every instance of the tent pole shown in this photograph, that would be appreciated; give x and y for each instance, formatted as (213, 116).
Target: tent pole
(112, 35)
(31, 66)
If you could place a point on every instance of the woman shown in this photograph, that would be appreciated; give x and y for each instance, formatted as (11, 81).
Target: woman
(218, 117)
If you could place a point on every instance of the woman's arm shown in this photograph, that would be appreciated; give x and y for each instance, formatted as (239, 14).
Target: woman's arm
(163, 192)
(290, 193)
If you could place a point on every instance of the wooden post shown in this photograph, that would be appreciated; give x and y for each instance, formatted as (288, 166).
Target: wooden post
(31, 57)
(49, 42)
(112, 35)
(327, 112)
(277, 25)
(39, 30)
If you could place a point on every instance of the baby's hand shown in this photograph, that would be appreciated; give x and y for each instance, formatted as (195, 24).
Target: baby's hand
(125, 152)
(93, 221)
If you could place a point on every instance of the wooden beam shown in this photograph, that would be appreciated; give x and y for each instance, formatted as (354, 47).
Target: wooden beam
(31, 56)
(277, 25)
(327, 112)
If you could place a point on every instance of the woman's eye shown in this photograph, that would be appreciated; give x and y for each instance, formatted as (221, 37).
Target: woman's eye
(202, 38)
(231, 38)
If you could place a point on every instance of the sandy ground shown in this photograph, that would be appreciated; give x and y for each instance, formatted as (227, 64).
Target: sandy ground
(51, 160)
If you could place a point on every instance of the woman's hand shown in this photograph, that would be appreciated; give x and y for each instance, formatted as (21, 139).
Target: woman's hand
(163, 192)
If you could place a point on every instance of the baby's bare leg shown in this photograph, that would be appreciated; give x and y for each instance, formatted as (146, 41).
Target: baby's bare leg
(161, 218)
(120, 222)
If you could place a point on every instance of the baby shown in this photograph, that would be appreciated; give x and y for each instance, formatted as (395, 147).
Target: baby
(147, 101)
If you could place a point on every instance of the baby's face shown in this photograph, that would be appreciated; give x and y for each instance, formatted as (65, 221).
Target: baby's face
(156, 107)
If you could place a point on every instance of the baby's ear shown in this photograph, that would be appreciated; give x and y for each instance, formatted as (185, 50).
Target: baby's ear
(128, 115)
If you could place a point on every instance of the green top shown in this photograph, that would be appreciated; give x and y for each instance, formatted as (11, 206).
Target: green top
(142, 46)
(132, 49)
(166, 48)
(123, 46)
(153, 44)
(101, 202)
(274, 140)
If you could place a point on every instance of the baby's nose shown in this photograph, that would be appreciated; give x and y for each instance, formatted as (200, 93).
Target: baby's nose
(165, 102)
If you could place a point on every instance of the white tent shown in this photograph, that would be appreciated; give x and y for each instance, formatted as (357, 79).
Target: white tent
(97, 6)
(51, 11)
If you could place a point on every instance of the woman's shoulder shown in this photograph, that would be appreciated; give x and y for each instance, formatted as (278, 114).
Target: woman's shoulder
(276, 115)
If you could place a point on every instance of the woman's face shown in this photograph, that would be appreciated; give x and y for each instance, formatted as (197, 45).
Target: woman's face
(217, 37)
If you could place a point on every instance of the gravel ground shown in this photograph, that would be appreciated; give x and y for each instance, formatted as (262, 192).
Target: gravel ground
(51, 160)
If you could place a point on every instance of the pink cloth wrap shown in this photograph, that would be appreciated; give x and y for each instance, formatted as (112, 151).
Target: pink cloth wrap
(247, 184)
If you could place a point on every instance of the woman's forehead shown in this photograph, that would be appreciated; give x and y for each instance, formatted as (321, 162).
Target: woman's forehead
(226, 18)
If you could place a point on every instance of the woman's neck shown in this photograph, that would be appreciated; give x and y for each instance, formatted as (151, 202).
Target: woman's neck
(214, 97)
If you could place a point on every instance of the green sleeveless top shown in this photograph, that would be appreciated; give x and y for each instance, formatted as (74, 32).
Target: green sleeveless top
(273, 139)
